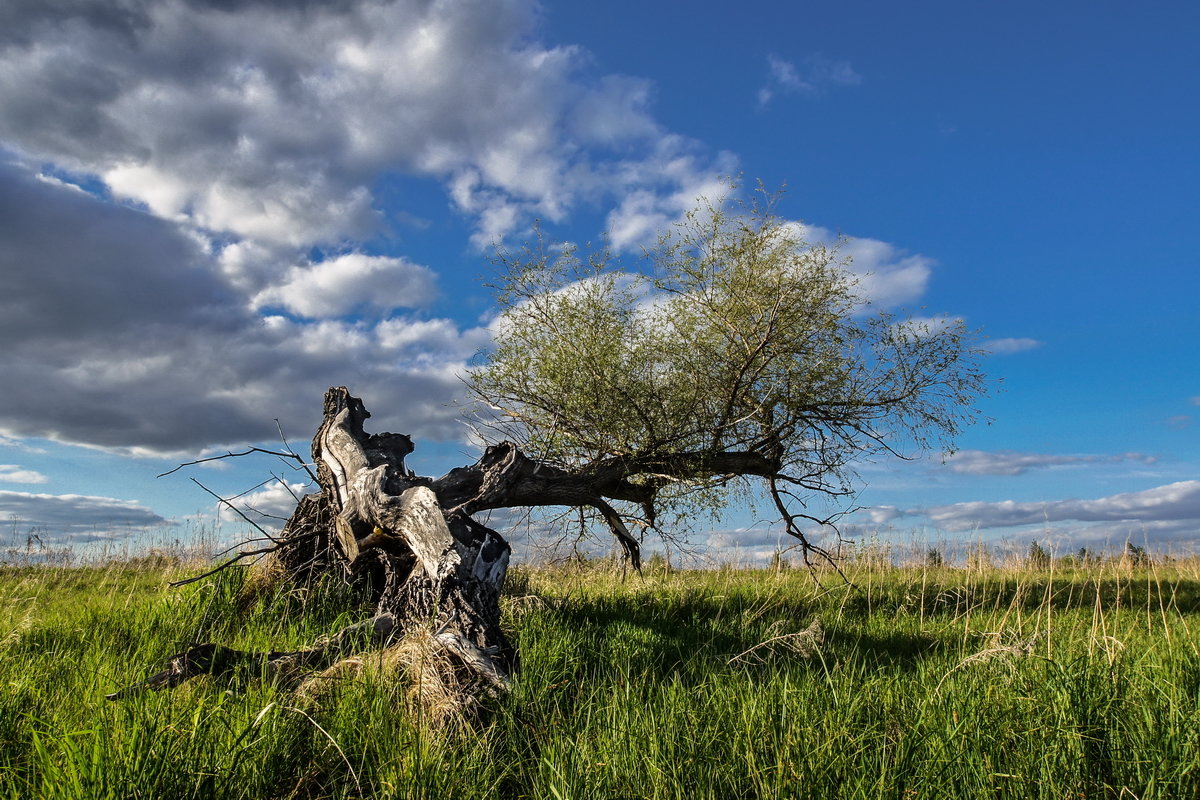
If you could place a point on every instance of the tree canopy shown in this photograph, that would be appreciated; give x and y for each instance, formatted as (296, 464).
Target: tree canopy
(734, 350)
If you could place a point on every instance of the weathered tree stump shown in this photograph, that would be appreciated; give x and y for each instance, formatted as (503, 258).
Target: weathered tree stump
(409, 541)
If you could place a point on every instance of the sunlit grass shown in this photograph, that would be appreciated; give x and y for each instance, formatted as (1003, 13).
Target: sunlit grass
(990, 681)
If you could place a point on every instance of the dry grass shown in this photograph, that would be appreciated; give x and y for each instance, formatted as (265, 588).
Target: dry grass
(432, 685)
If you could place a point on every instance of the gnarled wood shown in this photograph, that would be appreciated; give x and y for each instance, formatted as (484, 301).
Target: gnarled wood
(215, 659)
(426, 565)
(411, 543)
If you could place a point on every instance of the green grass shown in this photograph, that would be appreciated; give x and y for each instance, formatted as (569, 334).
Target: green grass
(930, 684)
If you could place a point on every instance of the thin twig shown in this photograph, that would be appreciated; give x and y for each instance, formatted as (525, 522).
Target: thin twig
(228, 563)
(235, 508)
(245, 452)
(293, 453)
(279, 545)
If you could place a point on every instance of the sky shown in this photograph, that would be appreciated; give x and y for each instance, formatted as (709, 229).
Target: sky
(212, 210)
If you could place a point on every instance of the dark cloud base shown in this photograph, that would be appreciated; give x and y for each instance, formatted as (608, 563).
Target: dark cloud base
(72, 519)
(122, 334)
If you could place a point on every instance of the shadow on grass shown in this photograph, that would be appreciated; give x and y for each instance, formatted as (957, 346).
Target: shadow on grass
(952, 596)
(686, 639)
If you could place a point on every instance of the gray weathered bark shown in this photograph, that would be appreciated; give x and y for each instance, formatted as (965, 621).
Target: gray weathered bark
(408, 540)
(411, 543)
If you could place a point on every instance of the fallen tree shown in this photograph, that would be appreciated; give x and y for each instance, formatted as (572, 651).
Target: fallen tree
(743, 356)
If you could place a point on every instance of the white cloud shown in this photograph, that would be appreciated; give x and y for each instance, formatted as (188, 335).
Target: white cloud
(927, 327)
(1173, 503)
(1009, 346)
(880, 515)
(439, 340)
(817, 75)
(13, 473)
(351, 282)
(17, 444)
(272, 121)
(615, 113)
(1011, 462)
(271, 505)
(659, 190)
(887, 276)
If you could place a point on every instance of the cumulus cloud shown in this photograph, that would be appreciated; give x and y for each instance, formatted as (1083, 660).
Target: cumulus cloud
(1011, 462)
(273, 121)
(1173, 503)
(816, 75)
(273, 504)
(341, 285)
(13, 473)
(1009, 346)
(75, 518)
(163, 286)
(879, 515)
(887, 276)
(126, 334)
(659, 191)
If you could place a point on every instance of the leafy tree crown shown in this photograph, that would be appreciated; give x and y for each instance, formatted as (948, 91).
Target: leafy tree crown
(732, 336)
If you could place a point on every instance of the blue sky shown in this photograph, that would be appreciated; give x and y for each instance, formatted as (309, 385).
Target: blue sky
(211, 211)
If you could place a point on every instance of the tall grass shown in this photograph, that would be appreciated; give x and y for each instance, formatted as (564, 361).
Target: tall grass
(928, 682)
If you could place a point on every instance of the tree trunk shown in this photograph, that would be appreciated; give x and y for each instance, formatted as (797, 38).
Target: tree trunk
(429, 565)
(407, 540)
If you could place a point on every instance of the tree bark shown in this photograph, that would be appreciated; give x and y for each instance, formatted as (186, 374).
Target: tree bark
(409, 541)
(411, 544)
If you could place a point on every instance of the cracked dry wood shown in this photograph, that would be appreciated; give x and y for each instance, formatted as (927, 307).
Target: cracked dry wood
(387, 531)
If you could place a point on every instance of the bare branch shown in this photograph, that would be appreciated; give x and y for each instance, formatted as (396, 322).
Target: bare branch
(236, 510)
(312, 475)
(246, 452)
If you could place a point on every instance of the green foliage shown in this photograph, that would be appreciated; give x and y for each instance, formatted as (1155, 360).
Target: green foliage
(1135, 556)
(1038, 557)
(733, 335)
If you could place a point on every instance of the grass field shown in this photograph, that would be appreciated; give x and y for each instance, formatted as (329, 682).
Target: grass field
(926, 683)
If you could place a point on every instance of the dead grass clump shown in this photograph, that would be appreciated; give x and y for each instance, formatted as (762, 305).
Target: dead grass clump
(1007, 649)
(317, 685)
(426, 677)
(804, 644)
(519, 606)
(435, 692)
(262, 579)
